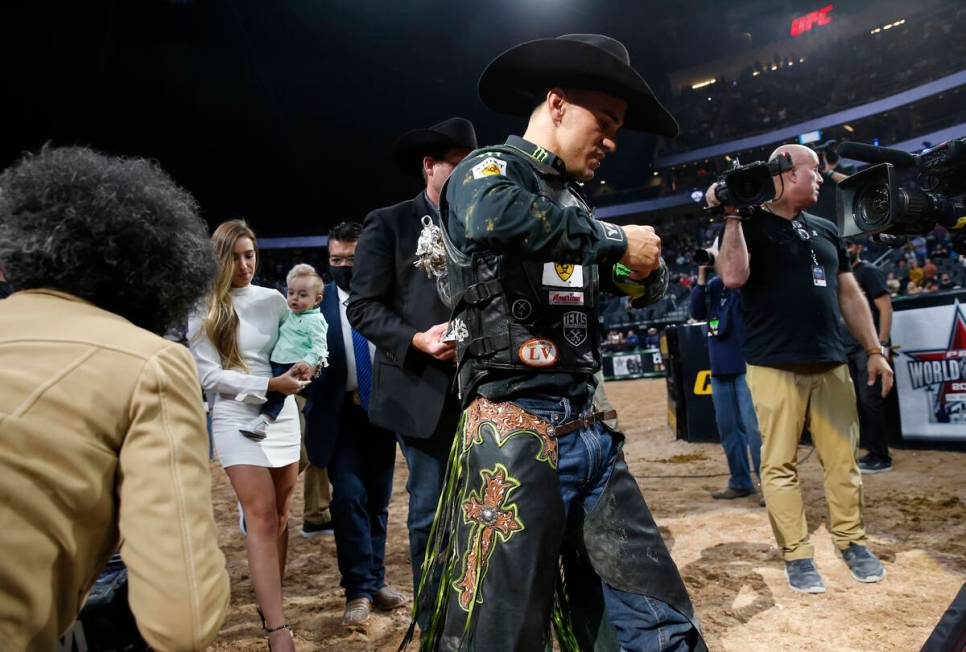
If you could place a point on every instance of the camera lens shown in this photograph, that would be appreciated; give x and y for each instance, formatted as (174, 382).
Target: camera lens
(702, 257)
(747, 189)
(872, 208)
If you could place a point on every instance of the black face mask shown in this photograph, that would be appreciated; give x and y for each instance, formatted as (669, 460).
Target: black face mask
(342, 276)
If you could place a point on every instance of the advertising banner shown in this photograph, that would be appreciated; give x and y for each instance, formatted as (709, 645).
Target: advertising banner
(930, 365)
(635, 364)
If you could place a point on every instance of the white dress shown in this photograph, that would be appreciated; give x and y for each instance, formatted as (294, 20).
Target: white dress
(235, 396)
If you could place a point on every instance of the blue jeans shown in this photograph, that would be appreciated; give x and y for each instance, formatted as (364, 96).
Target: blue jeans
(360, 470)
(734, 412)
(586, 460)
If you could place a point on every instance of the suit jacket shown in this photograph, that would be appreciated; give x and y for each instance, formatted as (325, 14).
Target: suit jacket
(391, 301)
(102, 438)
(325, 396)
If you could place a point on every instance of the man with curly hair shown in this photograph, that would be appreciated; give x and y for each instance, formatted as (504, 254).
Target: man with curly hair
(101, 424)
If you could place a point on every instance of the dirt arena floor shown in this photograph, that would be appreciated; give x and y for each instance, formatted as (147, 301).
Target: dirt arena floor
(915, 517)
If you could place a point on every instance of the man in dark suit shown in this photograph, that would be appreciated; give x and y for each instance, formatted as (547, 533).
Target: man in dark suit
(395, 305)
(359, 455)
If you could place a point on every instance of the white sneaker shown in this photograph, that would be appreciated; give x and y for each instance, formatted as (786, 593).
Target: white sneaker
(257, 429)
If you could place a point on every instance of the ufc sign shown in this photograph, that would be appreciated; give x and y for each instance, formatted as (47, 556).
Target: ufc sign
(809, 20)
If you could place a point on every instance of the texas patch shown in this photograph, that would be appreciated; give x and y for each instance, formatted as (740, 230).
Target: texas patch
(489, 167)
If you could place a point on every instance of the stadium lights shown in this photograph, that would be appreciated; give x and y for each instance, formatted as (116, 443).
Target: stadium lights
(774, 67)
(848, 128)
(702, 84)
(901, 21)
(755, 73)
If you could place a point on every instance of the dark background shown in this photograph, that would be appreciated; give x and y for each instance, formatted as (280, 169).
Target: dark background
(285, 111)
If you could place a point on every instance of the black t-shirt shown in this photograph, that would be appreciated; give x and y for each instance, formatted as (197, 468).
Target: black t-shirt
(873, 284)
(791, 310)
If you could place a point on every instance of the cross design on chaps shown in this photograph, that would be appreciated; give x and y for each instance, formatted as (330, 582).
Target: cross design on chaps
(488, 517)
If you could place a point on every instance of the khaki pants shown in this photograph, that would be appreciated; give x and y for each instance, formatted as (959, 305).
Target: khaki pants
(317, 491)
(783, 401)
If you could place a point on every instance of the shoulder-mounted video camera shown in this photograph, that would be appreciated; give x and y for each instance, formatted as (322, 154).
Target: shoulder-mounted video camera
(826, 152)
(746, 187)
(903, 194)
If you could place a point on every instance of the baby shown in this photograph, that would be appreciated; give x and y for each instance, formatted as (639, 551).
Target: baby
(301, 342)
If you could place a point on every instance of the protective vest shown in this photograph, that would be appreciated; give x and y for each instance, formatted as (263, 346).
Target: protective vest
(514, 314)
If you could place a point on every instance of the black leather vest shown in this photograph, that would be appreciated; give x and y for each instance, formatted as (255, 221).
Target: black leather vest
(514, 314)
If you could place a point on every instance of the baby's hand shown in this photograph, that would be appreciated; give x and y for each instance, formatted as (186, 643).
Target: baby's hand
(302, 370)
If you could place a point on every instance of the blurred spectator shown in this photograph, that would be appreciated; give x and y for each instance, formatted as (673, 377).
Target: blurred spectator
(946, 282)
(929, 270)
(913, 289)
(653, 339)
(919, 246)
(614, 340)
(915, 275)
(892, 283)
(631, 342)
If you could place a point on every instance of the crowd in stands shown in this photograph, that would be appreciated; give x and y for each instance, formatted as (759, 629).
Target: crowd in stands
(847, 72)
(924, 264)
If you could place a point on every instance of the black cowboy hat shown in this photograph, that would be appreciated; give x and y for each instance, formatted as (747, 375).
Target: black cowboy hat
(517, 80)
(413, 145)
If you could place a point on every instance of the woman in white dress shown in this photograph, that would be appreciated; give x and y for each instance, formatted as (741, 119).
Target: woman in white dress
(231, 339)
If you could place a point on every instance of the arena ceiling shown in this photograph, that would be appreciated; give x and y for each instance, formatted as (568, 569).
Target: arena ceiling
(285, 111)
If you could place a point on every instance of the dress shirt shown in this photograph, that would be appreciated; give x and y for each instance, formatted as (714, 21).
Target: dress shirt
(351, 383)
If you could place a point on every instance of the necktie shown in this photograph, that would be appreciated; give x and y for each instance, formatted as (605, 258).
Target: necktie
(360, 346)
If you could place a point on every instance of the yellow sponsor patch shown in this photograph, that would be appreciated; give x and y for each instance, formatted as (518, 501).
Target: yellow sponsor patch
(565, 275)
(489, 167)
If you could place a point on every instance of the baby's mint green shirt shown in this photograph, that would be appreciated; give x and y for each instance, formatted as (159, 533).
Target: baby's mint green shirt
(302, 337)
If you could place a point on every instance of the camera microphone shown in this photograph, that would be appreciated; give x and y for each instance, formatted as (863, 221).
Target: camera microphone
(873, 154)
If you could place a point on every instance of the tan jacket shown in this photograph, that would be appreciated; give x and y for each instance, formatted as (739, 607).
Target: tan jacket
(102, 437)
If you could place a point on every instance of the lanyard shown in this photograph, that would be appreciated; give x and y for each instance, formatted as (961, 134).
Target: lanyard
(800, 225)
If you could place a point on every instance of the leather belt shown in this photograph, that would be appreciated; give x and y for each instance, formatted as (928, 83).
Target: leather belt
(584, 421)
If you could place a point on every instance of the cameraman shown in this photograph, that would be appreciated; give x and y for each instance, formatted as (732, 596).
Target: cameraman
(793, 296)
(873, 429)
(833, 173)
(734, 411)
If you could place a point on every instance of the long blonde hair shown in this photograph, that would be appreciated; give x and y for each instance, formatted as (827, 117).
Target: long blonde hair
(221, 322)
